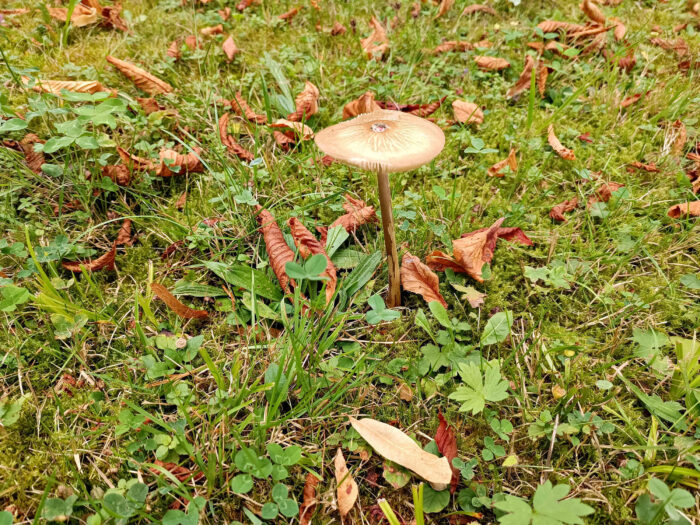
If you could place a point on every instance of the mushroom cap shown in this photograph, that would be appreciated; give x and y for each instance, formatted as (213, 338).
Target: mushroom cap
(383, 139)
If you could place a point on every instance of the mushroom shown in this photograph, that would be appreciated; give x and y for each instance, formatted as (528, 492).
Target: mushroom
(384, 141)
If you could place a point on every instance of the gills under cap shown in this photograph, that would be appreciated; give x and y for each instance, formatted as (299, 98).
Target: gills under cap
(385, 138)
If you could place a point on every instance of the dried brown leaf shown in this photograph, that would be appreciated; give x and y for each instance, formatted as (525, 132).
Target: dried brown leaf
(620, 30)
(467, 112)
(124, 235)
(306, 103)
(180, 472)
(230, 48)
(557, 146)
(649, 167)
(523, 82)
(241, 107)
(76, 86)
(452, 45)
(308, 505)
(445, 6)
(82, 15)
(604, 192)
(347, 490)
(554, 26)
(142, 78)
(212, 30)
(364, 104)
(377, 43)
(289, 15)
(416, 277)
(447, 446)
(134, 162)
(592, 11)
(478, 8)
(510, 161)
(278, 251)
(176, 306)
(691, 209)
(33, 159)
(680, 139)
(300, 129)
(188, 163)
(557, 212)
(231, 145)
(679, 46)
(308, 245)
(149, 105)
(628, 101)
(104, 262)
(491, 63)
(425, 110)
(358, 213)
(119, 174)
(338, 29)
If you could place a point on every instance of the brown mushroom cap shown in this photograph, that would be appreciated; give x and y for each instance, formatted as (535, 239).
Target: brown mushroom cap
(385, 138)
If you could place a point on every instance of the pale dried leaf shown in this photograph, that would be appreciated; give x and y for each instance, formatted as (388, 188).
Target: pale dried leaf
(230, 49)
(491, 63)
(592, 11)
(142, 78)
(511, 161)
(364, 104)
(377, 43)
(347, 490)
(557, 146)
(467, 112)
(523, 82)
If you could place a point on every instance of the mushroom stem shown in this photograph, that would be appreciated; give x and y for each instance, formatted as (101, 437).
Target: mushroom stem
(394, 298)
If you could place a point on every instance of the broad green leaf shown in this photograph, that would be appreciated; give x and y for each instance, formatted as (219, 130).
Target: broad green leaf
(56, 143)
(497, 328)
(14, 124)
(12, 296)
(336, 237)
(479, 389)
(197, 290)
(246, 277)
(10, 410)
(361, 274)
(435, 501)
(551, 508)
(440, 313)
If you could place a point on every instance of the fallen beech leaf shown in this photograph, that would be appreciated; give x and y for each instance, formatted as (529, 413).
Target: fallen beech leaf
(447, 446)
(278, 251)
(426, 110)
(18, 11)
(289, 14)
(478, 8)
(691, 209)
(347, 490)
(364, 104)
(523, 82)
(358, 213)
(377, 43)
(510, 161)
(592, 11)
(149, 105)
(467, 112)
(405, 393)
(231, 145)
(82, 15)
(213, 30)
(308, 505)
(557, 146)
(628, 101)
(338, 29)
(142, 78)
(33, 159)
(557, 212)
(119, 174)
(491, 63)
(440, 261)
(188, 163)
(513, 235)
(585, 137)
(225, 13)
(124, 235)
(542, 74)
(396, 446)
(283, 140)
(445, 6)
(133, 162)
(241, 107)
(554, 26)
(679, 46)
(604, 192)
(176, 306)
(243, 4)
(308, 245)
(416, 277)
(76, 86)
(230, 49)
(452, 45)
(620, 30)
(681, 137)
(180, 472)
(649, 167)
(174, 50)
(300, 129)
(105, 262)
(306, 103)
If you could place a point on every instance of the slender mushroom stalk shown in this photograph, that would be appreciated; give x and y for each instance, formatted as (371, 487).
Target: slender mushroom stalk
(384, 142)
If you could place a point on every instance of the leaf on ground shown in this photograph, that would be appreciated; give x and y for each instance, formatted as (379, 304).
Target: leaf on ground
(604, 192)
(478, 8)
(523, 82)
(142, 78)
(212, 30)
(592, 11)
(358, 213)
(289, 15)
(104, 262)
(542, 76)
(392, 444)
(149, 105)
(679, 46)
(230, 48)
(467, 112)
(338, 29)
(176, 306)
(306, 103)
(649, 167)
(514, 235)
(308, 505)
(681, 136)
(180, 472)
(554, 26)
(308, 245)
(684, 209)
(241, 108)
(231, 144)
(134, 162)
(511, 161)
(377, 43)
(81, 16)
(297, 129)
(278, 251)
(33, 159)
(620, 30)
(188, 163)
(347, 490)
(491, 63)
(452, 45)
(416, 277)
(447, 445)
(632, 99)
(75, 86)
(445, 6)
(559, 149)
(557, 212)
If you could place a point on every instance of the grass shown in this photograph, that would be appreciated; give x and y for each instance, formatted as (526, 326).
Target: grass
(107, 390)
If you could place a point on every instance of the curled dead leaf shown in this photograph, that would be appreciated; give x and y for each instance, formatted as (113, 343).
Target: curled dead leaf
(142, 78)
(649, 167)
(467, 112)
(679, 46)
(82, 15)
(452, 45)
(416, 277)
(511, 161)
(542, 75)
(76, 86)
(299, 129)
(425, 110)
(592, 11)
(604, 192)
(491, 63)
(445, 6)
(557, 212)
(364, 104)
(119, 174)
(358, 213)
(231, 145)
(230, 48)
(628, 101)
(554, 26)
(33, 159)
(278, 251)
(338, 29)
(124, 235)
(690, 209)
(523, 82)
(306, 103)
(447, 446)
(241, 107)
(188, 163)
(681, 136)
(377, 43)
(392, 444)
(559, 149)
(104, 262)
(134, 162)
(289, 15)
(478, 8)
(308, 505)
(176, 306)
(308, 245)
(620, 30)
(212, 30)
(347, 490)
